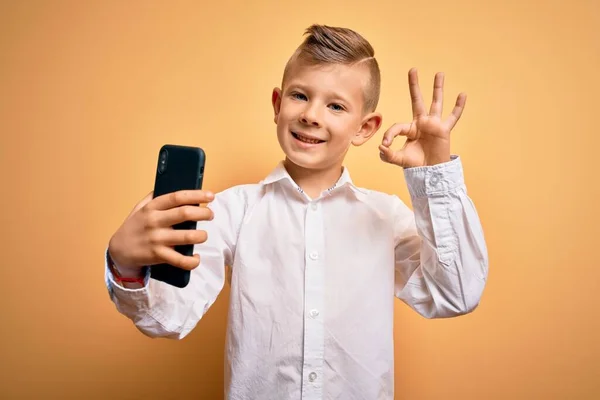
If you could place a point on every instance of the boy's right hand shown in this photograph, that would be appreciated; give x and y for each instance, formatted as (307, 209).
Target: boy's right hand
(146, 237)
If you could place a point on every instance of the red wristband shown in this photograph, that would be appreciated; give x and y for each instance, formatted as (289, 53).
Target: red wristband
(119, 278)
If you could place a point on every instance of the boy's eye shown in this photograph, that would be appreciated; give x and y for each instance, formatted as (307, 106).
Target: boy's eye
(336, 107)
(298, 96)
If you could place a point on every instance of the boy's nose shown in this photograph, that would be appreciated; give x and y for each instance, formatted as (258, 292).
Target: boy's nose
(309, 117)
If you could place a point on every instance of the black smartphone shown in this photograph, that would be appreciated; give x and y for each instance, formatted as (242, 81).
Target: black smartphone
(178, 168)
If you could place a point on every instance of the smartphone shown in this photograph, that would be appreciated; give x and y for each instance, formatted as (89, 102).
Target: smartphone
(178, 168)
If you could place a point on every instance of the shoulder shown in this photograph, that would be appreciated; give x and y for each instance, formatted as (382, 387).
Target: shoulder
(392, 209)
(386, 206)
(380, 200)
(237, 197)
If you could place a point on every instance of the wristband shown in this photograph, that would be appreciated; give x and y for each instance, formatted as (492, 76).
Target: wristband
(120, 279)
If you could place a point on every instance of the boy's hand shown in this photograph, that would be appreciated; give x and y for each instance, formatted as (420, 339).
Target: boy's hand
(427, 136)
(146, 237)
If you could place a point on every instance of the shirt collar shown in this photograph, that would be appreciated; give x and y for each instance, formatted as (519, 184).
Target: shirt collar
(280, 173)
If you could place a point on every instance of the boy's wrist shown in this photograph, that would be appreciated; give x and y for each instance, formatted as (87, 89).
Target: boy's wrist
(125, 272)
(439, 159)
(122, 268)
(128, 277)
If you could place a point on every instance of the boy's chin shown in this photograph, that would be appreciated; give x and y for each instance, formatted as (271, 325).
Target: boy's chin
(307, 161)
(302, 160)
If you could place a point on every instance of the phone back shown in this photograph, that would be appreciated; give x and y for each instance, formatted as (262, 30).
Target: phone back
(178, 168)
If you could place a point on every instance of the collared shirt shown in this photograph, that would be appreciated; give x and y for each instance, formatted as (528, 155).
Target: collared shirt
(313, 281)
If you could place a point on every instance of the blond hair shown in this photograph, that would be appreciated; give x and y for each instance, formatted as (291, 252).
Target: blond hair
(334, 45)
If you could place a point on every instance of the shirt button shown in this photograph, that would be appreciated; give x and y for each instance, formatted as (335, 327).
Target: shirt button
(312, 376)
(314, 313)
(314, 206)
(314, 255)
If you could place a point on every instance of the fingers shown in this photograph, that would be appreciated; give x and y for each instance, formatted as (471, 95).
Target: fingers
(438, 95)
(177, 237)
(390, 156)
(418, 107)
(181, 197)
(408, 130)
(453, 118)
(170, 217)
(170, 256)
(386, 153)
(437, 103)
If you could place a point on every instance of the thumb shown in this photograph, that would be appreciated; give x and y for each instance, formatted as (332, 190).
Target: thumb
(147, 199)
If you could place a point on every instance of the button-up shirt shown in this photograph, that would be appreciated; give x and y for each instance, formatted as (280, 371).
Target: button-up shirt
(313, 281)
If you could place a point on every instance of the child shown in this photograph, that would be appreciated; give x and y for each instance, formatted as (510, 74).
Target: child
(316, 261)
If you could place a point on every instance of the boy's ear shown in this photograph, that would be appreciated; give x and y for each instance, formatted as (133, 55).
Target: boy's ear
(369, 126)
(276, 101)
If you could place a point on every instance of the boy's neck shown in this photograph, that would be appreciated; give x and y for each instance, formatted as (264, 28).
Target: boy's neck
(313, 181)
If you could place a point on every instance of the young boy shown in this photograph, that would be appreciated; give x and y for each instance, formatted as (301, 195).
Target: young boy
(316, 262)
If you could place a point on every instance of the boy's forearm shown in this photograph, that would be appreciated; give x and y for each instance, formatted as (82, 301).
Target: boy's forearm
(451, 268)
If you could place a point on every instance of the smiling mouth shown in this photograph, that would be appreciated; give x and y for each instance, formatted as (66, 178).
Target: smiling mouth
(306, 139)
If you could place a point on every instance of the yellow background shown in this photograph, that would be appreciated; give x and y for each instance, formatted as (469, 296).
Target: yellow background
(89, 91)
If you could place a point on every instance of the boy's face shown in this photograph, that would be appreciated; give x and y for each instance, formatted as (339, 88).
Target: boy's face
(320, 113)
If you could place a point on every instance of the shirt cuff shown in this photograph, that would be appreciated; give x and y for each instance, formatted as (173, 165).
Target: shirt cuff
(120, 291)
(432, 180)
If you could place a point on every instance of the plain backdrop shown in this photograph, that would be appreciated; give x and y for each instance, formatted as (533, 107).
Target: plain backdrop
(89, 91)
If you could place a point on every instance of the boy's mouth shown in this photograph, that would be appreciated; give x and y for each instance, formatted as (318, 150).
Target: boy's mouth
(306, 139)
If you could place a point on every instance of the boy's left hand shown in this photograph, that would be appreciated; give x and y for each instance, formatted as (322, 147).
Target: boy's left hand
(427, 136)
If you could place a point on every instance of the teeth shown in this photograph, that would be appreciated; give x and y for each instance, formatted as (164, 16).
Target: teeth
(307, 140)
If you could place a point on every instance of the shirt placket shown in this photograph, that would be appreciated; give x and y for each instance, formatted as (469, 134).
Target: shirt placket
(314, 274)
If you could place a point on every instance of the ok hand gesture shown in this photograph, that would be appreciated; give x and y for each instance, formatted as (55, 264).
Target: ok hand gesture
(428, 135)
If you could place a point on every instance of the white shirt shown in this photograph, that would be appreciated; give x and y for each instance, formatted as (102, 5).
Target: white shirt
(313, 281)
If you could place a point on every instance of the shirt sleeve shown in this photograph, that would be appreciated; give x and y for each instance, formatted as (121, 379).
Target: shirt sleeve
(162, 310)
(441, 260)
